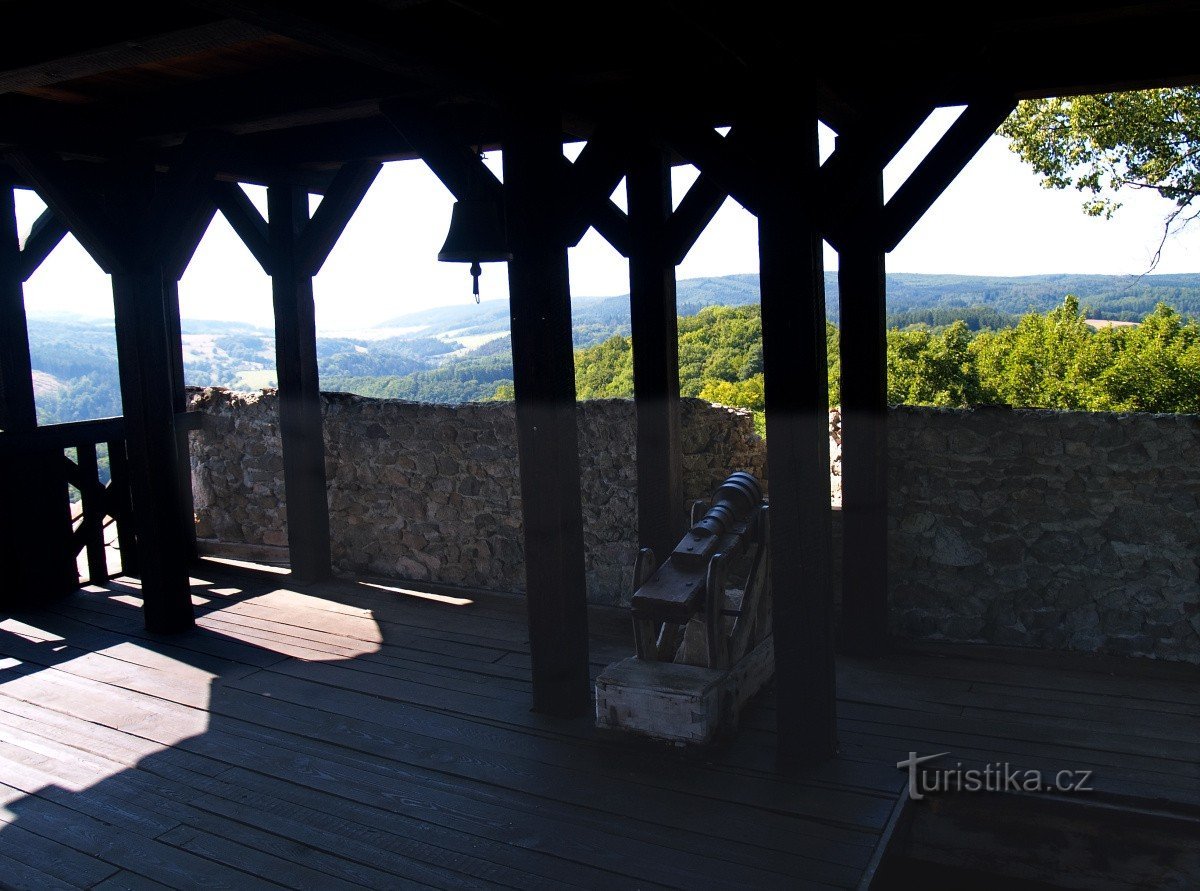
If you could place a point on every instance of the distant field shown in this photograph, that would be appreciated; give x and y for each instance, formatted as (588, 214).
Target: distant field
(256, 379)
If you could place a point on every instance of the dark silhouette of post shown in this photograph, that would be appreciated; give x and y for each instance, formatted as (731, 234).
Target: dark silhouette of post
(544, 387)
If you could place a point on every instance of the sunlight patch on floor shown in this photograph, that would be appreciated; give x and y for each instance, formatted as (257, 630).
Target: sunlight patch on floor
(27, 631)
(423, 595)
(246, 564)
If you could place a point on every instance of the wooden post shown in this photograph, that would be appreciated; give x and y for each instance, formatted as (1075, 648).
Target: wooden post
(655, 330)
(863, 289)
(300, 425)
(144, 359)
(17, 407)
(187, 508)
(547, 437)
(35, 517)
(796, 382)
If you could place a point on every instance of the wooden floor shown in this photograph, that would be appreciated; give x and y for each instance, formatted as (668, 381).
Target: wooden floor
(352, 735)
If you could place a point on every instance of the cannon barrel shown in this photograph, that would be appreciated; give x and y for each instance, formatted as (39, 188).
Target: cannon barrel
(677, 588)
(733, 503)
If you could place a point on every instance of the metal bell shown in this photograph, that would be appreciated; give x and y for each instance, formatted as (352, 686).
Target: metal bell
(476, 236)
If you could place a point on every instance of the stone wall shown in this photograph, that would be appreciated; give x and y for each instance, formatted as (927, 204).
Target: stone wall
(1035, 528)
(431, 491)
(1053, 529)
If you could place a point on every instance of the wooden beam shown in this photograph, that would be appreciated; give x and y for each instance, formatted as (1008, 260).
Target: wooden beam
(944, 162)
(66, 193)
(35, 515)
(143, 357)
(869, 146)
(863, 289)
(246, 221)
(178, 255)
(446, 152)
(796, 385)
(655, 335)
(544, 385)
(44, 236)
(183, 476)
(595, 174)
(130, 54)
(613, 225)
(715, 155)
(300, 425)
(345, 194)
(182, 199)
(370, 34)
(689, 220)
(17, 404)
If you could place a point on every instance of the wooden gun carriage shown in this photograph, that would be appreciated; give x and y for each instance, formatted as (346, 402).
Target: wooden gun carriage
(703, 648)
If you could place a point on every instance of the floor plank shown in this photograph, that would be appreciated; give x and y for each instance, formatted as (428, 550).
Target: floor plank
(344, 735)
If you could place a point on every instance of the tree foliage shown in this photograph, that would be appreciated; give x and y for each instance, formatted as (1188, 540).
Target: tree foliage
(1100, 144)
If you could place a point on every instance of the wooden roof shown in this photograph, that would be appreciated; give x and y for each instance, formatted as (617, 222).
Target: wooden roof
(300, 83)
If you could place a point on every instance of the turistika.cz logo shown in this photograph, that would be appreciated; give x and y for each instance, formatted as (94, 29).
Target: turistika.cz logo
(999, 776)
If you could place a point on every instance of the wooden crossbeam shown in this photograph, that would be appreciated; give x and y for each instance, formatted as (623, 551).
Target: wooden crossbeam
(182, 202)
(246, 221)
(178, 255)
(689, 220)
(860, 154)
(447, 154)
(329, 221)
(47, 232)
(944, 162)
(717, 156)
(591, 179)
(595, 174)
(68, 195)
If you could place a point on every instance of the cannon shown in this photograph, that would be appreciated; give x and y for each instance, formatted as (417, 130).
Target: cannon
(703, 646)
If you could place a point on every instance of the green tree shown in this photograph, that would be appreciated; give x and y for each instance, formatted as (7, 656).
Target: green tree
(1049, 360)
(1155, 366)
(1100, 144)
(605, 370)
(931, 367)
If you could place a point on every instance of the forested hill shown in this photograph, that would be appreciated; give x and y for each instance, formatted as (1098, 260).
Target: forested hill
(988, 301)
(458, 353)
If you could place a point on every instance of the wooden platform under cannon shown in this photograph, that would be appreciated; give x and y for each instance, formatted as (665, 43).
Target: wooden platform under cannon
(345, 731)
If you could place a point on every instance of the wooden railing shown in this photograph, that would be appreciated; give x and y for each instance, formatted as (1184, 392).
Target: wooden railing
(99, 504)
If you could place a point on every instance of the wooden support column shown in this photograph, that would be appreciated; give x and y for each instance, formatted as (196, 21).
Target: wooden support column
(291, 248)
(544, 385)
(655, 330)
(141, 232)
(300, 426)
(863, 289)
(174, 329)
(179, 257)
(35, 517)
(785, 162)
(17, 407)
(144, 359)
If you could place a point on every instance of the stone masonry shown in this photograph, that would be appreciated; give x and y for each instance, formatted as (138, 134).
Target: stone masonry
(1035, 528)
(431, 492)
(1073, 530)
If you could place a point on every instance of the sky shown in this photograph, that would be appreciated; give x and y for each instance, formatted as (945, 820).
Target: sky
(995, 219)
